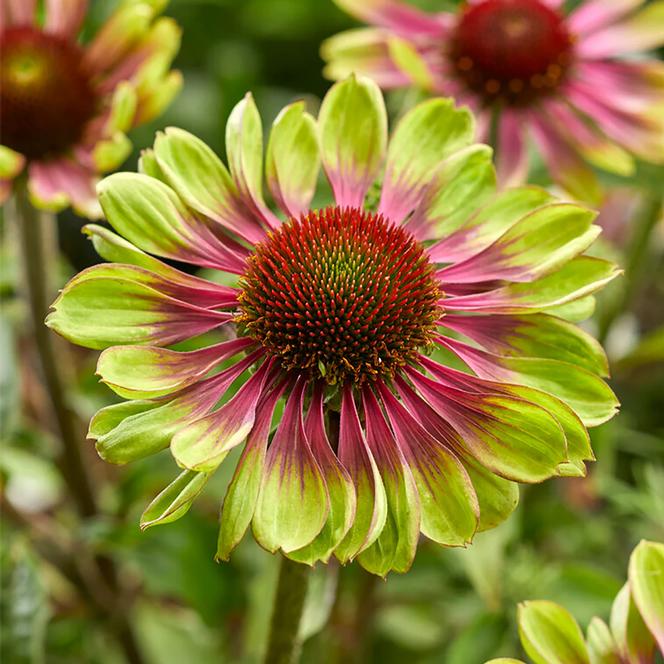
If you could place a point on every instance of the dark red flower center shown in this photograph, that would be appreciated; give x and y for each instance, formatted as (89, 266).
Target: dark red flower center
(514, 51)
(340, 293)
(46, 97)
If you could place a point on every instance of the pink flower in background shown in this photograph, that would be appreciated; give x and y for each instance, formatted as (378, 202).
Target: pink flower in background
(570, 82)
(65, 107)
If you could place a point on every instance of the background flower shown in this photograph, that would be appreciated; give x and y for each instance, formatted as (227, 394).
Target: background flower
(575, 83)
(551, 635)
(66, 107)
(423, 347)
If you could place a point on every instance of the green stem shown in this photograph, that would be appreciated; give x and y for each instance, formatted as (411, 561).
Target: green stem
(36, 235)
(284, 642)
(647, 218)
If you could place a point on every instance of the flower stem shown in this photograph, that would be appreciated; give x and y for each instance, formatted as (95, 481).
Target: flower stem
(284, 642)
(33, 230)
(649, 213)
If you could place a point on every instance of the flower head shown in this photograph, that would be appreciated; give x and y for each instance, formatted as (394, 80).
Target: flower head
(420, 344)
(531, 71)
(66, 107)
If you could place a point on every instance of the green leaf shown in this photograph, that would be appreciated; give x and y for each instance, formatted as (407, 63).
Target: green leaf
(353, 133)
(646, 582)
(175, 500)
(293, 159)
(550, 635)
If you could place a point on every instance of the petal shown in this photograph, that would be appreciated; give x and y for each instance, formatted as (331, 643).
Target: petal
(423, 138)
(119, 304)
(512, 151)
(585, 393)
(244, 148)
(397, 16)
(601, 646)
(594, 14)
(497, 497)
(175, 500)
(146, 372)
(535, 335)
(242, 494)
(135, 429)
(339, 487)
(353, 131)
(537, 245)
(580, 277)
(640, 32)
(646, 582)
(550, 635)
(53, 185)
(487, 225)
(293, 503)
(151, 216)
(463, 182)
(356, 457)
(204, 443)
(65, 17)
(17, 12)
(202, 181)
(11, 163)
(449, 507)
(630, 632)
(513, 438)
(564, 163)
(204, 293)
(397, 543)
(293, 159)
(364, 51)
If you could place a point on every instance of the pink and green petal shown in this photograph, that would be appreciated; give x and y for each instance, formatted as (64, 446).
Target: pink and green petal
(587, 394)
(364, 51)
(449, 507)
(339, 487)
(463, 182)
(630, 632)
(244, 149)
(115, 304)
(146, 372)
(203, 182)
(423, 138)
(204, 443)
(150, 215)
(537, 245)
(52, 185)
(293, 503)
(485, 226)
(513, 438)
(497, 497)
(641, 31)
(353, 133)
(372, 506)
(175, 500)
(65, 17)
(534, 335)
(397, 543)
(169, 280)
(646, 583)
(550, 635)
(242, 494)
(582, 276)
(398, 16)
(602, 647)
(11, 163)
(292, 162)
(513, 159)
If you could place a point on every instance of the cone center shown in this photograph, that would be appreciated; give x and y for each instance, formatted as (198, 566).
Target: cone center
(342, 294)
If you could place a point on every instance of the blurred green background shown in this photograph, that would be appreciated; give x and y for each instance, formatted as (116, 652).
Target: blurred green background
(568, 541)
